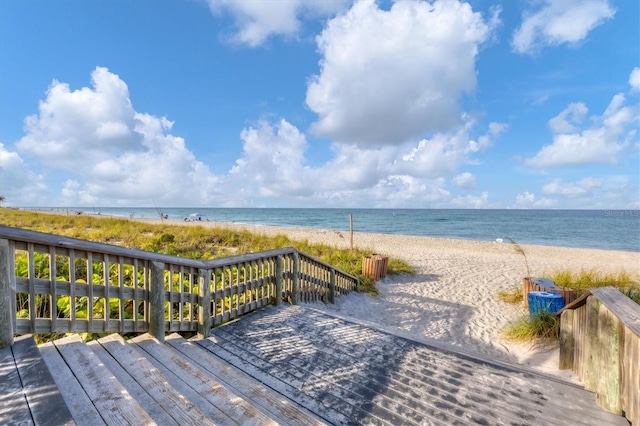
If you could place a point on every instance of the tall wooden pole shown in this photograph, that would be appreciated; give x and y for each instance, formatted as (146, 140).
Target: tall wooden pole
(351, 231)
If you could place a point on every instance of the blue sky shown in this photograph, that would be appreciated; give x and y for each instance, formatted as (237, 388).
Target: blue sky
(320, 103)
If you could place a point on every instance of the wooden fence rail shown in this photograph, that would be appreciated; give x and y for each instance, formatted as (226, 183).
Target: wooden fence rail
(56, 284)
(600, 342)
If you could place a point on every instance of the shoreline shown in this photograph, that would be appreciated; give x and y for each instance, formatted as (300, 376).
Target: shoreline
(255, 225)
(451, 296)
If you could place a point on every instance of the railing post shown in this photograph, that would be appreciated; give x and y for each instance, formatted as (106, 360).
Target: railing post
(279, 261)
(296, 279)
(204, 306)
(7, 295)
(567, 340)
(332, 287)
(156, 301)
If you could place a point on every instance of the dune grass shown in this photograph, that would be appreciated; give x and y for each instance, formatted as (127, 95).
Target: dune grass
(195, 242)
(546, 326)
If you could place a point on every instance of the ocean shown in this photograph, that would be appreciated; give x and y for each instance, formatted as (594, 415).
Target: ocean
(602, 229)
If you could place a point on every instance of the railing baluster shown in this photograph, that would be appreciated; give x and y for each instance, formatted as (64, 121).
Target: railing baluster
(90, 292)
(53, 294)
(237, 285)
(204, 306)
(72, 290)
(156, 301)
(7, 294)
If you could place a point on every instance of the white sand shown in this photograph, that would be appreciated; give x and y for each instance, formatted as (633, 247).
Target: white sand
(452, 295)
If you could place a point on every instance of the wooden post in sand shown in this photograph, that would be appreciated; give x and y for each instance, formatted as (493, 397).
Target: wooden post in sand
(351, 231)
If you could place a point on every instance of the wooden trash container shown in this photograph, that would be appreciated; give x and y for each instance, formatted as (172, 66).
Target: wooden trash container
(375, 266)
(544, 284)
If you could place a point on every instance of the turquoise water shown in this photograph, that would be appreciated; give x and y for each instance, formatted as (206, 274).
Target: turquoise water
(604, 229)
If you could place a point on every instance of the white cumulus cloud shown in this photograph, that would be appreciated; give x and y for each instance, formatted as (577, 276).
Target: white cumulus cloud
(256, 21)
(18, 184)
(634, 79)
(465, 180)
(118, 155)
(601, 142)
(581, 188)
(559, 22)
(387, 76)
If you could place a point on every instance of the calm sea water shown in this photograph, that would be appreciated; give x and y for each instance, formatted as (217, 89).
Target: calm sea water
(604, 229)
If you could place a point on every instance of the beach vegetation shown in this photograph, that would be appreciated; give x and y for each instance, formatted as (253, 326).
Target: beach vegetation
(513, 295)
(195, 242)
(518, 249)
(586, 279)
(542, 327)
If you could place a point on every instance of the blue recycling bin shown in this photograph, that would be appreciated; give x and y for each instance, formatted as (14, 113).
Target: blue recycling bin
(543, 301)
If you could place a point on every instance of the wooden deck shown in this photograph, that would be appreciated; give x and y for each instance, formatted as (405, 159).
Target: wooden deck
(282, 365)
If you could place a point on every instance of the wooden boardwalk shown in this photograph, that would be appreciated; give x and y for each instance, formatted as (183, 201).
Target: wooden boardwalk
(282, 365)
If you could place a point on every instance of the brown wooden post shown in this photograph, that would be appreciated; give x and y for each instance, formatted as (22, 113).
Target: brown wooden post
(567, 340)
(608, 363)
(7, 295)
(591, 345)
(204, 304)
(296, 279)
(278, 271)
(351, 231)
(332, 287)
(156, 301)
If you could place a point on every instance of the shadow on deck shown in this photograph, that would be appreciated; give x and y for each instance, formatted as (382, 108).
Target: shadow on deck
(281, 365)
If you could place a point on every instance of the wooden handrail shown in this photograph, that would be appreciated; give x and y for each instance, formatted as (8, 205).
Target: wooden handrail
(153, 292)
(600, 342)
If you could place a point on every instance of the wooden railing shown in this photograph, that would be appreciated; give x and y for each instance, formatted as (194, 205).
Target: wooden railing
(600, 342)
(56, 284)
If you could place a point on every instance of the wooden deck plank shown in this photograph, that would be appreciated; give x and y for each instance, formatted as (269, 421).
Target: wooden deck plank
(279, 407)
(315, 348)
(43, 397)
(13, 402)
(152, 380)
(212, 390)
(442, 372)
(113, 402)
(328, 408)
(544, 392)
(341, 381)
(155, 410)
(79, 404)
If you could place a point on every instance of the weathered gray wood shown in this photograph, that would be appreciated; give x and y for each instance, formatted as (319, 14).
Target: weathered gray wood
(631, 377)
(278, 272)
(332, 286)
(7, 294)
(13, 402)
(295, 285)
(567, 340)
(239, 410)
(280, 409)
(112, 400)
(608, 385)
(79, 404)
(46, 405)
(156, 411)
(592, 344)
(153, 381)
(625, 309)
(204, 304)
(156, 301)
(368, 376)
(180, 382)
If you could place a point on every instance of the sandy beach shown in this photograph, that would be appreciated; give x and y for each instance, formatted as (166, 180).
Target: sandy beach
(452, 295)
